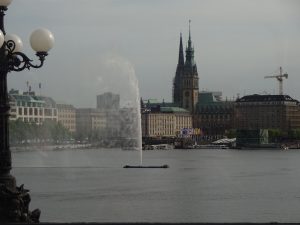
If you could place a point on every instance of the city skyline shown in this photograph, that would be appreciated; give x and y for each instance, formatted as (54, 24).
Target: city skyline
(100, 45)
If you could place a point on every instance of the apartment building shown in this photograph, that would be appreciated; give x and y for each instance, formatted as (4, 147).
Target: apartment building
(66, 115)
(165, 121)
(89, 120)
(31, 108)
(267, 112)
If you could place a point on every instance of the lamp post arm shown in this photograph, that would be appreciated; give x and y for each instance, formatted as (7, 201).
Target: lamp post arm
(18, 61)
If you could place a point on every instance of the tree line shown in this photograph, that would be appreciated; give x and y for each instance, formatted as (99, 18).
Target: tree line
(48, 132)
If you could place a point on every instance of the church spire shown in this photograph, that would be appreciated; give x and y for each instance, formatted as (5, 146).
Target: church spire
(185, 82)
(190, 31)
(181, 56)
(189, 50)
(179, 73)
(190, 39)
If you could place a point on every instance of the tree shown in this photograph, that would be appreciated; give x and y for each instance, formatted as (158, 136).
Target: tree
(230, 133)
(48, 131)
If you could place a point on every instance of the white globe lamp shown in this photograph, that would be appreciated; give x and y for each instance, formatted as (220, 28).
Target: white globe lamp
(41, 40)
(16, 39)
(1, 38)
(5, 2)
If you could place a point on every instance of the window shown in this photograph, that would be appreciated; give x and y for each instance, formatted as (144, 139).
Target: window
(48, 112)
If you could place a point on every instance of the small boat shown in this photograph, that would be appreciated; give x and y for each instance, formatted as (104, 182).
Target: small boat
(163, 166)
(211, 147)
(158, 147)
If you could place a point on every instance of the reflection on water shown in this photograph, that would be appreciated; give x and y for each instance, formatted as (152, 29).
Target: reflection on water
(200, 185)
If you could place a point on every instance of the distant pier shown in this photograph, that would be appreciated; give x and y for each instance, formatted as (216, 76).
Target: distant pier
(165, 166)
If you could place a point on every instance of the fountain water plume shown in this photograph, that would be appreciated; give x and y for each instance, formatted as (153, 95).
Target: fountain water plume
(117, 74)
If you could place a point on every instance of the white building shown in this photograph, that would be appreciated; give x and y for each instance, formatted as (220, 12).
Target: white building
(31, 108)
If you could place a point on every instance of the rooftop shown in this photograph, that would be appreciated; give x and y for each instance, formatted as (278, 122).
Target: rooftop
(266, 98)
(154, 103)
(173, 110)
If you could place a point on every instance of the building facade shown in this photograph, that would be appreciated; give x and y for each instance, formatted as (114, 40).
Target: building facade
(66, 115)
(89, 120)
(108, 101)
(267, 112)
(31, 108)
(165, 121)
(109, 105)
(213, 116)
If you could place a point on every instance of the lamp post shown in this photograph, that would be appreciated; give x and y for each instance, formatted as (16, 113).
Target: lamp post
(14, 201)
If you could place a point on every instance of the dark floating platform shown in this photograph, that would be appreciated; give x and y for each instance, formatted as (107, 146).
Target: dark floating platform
(163, 166)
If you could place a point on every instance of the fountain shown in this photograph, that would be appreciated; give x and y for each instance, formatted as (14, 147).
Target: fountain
(134, 132)
(117, 75)
(137, 124)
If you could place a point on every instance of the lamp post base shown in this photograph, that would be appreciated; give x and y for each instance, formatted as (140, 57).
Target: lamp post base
(14, 207)
(8, 180)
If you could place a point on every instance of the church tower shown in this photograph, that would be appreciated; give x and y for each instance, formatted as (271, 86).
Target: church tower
(185, 86)
(177, 89)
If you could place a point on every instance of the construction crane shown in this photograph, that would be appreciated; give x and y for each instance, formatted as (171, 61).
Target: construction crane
(280, 79)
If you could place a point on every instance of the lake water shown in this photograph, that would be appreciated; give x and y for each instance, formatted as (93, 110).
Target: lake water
(200, 185)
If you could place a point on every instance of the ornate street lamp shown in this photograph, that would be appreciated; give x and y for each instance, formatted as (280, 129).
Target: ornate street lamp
(14, 201)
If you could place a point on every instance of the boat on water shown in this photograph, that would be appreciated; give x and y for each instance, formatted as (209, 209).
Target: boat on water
(158, 147)
(165, 166)
(210, 147)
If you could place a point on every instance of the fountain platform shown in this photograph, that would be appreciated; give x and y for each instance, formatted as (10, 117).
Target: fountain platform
(149, 167)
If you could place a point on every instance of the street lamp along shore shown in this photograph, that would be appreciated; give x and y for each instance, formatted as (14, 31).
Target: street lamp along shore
(14, 201)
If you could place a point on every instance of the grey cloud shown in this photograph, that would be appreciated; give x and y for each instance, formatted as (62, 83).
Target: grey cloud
(237, 42)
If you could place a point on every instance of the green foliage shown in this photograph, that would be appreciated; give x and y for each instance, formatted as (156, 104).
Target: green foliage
(49, 132)
(294, 134)
(230, 133)
(277, 135)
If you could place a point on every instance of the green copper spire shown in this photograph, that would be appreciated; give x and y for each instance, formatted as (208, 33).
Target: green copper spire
(190, 41)
(189, 50)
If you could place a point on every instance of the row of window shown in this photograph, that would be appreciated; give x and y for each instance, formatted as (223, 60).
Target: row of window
(157, 132)
(67, 121)
(29, 104)
(215, 117)
(30, 111)
(66, 115)
(190, 83)
(36, 112)
(35, 120)
(161, 127)
(267, 103)
(70, 127)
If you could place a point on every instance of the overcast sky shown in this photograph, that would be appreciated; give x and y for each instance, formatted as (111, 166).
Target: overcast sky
(100, 45)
